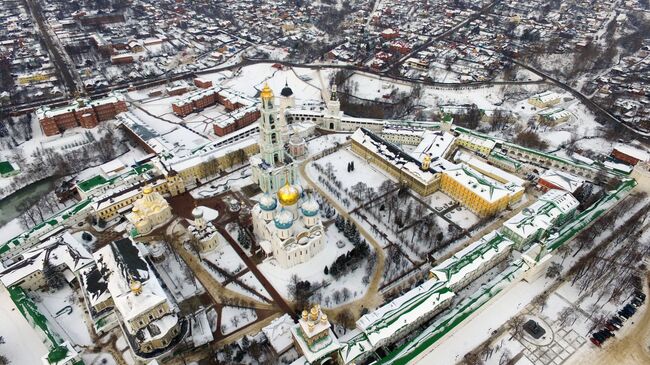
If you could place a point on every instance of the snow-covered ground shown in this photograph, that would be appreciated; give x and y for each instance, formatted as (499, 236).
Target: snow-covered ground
(233, 181)
(226, 258)
(98, 359)
(319, 144)
(178, 278)
(463, 217)
(22, 344)
(56, 306)
(233, 318)
(363, 172)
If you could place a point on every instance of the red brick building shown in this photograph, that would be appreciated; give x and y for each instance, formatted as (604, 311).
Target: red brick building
(236, 121)
(202, 83)
(629, 155)
(85, 113)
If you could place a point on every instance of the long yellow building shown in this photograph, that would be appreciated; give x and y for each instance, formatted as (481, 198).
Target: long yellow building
(477, 192)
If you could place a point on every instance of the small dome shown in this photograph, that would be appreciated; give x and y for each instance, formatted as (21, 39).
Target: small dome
(266, 93)
(286, 91)
(288, 195)
(268, 202)
(197, 213)
(310, 208)
(284, 219)
(147, 189)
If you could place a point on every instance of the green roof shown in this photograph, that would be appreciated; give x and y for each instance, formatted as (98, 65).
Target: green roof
(91, 183)
(410, 350)
(29, 310)
(5, 167)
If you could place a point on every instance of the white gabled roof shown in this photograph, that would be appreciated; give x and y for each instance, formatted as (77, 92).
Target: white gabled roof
(563, 180)
(58, 250)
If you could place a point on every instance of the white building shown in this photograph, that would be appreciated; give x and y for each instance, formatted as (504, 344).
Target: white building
(147, 316)
(291, 231)
(551, 210)
(203, 232)
(149, 211)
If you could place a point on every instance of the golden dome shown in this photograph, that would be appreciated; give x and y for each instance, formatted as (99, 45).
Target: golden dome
(147, 190)
(288, 195)
(266, 93)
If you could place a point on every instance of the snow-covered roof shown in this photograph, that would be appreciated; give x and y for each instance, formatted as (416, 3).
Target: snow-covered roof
(278, 332)
(58, 250)
(633, 152)
(435, 144)
(403, 311)
(542, 214)
(546, 96)
(121, 262)
(487, 169)
(472, 139)
(488, 189)
(94, 285)
(395, 156)
(465, 261)
(562, 180)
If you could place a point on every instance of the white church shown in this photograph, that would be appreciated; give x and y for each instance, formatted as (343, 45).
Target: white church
(286, 221)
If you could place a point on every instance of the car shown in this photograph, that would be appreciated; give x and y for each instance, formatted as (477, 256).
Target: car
(595, 341)
(636, 302)
(617, 320)
(607, 333)
(599, 336)
(611, 327)
(624, 314)
(640, 295)
(630, 308)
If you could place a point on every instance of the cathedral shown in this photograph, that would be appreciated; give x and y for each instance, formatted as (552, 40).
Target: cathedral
(149, 211)
(286, 220)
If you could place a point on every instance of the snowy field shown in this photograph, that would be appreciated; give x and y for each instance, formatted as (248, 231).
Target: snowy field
(65, 313)
(324, 142)
(463, 217)
(22, 343)
(226, 258)
(176, 275)
(371, 87)
(234, 318)
(234, 181)
(249, 80)
(363, 173)
(311, 270)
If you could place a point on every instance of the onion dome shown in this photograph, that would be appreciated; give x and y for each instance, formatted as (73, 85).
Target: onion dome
(286, 90)
(288, 195)
(284, 219)
(310, 208)
(268, 202)
(266, 93)
(197, 213)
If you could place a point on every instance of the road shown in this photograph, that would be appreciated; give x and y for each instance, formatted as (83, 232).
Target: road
(277, 298)
(61, 65)
(372, 298)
